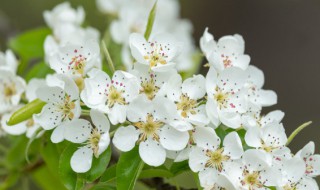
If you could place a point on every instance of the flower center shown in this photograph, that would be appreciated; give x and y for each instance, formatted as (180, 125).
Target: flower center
(9, 90)
(289, 187)
(226, 61)
(186, 105)
(157, 55)
(221, 98)
(66, 108)
(149, 128)
(149, 88)
(216, 159)
(30, 123)
(77, 64)
(115, 96)
(252, 180)
(94, 140)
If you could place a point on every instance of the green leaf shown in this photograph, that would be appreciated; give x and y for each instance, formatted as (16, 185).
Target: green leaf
(69, 178)
(39, 70)
(46, 180)
(26, 112)
(150, 173)
(110, 174)
(128, 169)
(179, 167)
(99, 165)
(10, 180)
(103, 186)
(49, 154)
(29, 45)
(15, 157)
(151, 18)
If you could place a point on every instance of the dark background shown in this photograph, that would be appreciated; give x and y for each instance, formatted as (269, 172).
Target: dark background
(282, 37)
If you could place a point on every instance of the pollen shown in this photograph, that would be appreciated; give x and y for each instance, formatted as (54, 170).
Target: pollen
(149, 88)
(115, 96)
(149, 128)
(221, 98)
(186, 105)
(216, 159)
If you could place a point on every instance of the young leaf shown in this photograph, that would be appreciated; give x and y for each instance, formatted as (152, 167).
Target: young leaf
(109, 175)
(46, 180)
(128, 169)
(179, 167)
(150, 173)
(26, 112)
(152, 16)
(39, 70)
(99, 165)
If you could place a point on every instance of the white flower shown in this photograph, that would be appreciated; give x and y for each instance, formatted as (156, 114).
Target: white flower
(255, 171)
(63, 104)
(312, 161)
(32, 87)
(256, 96)
(110, 6)
(110, 96)
(96, 139)
(29, 127)
(211, 161)
(207, 43)
(64, 13)
(8, 61)
(255, 119)
(226, 100)
(272, 139)
(152, 83)
(227, 52)
(187, 96)
(76, 60)
(11, 88)
(158, 53)
(150, 130)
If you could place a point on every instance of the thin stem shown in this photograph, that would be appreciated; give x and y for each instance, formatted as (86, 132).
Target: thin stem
(108, 57)
(112, 133)
(297, 131)
(196, 178)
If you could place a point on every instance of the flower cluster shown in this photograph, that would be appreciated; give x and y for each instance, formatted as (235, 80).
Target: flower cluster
(213, 121)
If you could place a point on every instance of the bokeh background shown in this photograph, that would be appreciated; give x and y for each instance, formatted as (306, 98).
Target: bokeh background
(282, 37)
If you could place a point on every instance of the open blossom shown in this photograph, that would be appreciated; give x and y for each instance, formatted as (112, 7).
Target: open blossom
(158, 53)
(110, 96)
(226, 100)
(187, 96)
(63, 13)
(253, 172)
(11, 88)
(256, 96)
(212, 160)
(255, 119)
(152, 83)
(311, 160)
(272, 139)
(63, 104)
(76, 60)
(8, 61)
(227, 52)
(95, 139)
(150, 130)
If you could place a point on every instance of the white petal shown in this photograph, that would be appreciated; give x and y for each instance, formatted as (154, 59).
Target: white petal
(81, 160)
(294, 169)
(206, 138)
(194, 87)
(172, 139)
(17, 129)
(233, 145)
(211, 81)
(306, 151)
(212, 112)
(70, 87)
(152, 153)
(208, 177)
(181, 125)
(77, 131)
(256, 160)
(100, 120)
(267, 98)
(138, 109)
(125, 138)
(32, 87)
(197, 159)
(50, 94)
(253, 137)
(231, 79)
(137, 45)
(307, 183)
(117, 114)
(57, 135)
(103, 143)
(49, 117)
(314, 162)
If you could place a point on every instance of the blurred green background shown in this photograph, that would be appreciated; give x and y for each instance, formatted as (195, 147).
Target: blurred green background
(282, 37)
